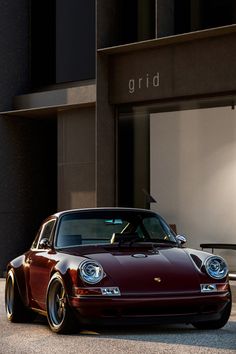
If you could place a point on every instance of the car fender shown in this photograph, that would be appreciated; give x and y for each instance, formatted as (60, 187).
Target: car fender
(17, 265)
(68, 270)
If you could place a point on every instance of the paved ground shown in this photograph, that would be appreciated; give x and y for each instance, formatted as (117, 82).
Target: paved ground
(37, 338)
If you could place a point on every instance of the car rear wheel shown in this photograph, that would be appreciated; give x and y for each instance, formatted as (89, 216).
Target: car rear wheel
(217, 323)
(15, 309)
(59, 314)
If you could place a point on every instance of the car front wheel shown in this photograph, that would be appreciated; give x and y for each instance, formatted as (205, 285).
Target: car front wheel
(59, 314)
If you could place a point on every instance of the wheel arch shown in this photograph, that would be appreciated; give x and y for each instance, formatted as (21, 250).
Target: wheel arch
(17, 268)
(68, 274)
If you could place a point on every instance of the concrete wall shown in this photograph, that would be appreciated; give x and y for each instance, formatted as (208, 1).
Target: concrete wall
(76, 158)
(27, 147)
(193, 173)
(107, 32)
(14, 44)
(27, 182)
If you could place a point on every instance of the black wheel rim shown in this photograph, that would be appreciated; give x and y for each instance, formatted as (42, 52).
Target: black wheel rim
(9, 295)
(56, 303)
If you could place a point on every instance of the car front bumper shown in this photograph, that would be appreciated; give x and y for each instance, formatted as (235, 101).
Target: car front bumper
(150, 310)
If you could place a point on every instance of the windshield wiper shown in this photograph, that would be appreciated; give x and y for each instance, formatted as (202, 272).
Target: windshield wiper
(163, 243)
(130, 241)
(122, 239)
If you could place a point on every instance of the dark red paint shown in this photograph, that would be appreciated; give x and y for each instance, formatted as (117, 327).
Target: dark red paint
(163, 285)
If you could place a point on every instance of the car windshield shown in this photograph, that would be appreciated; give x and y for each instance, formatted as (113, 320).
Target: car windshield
(106, 227)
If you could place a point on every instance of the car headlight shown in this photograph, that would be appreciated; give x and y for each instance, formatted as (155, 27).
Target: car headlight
(91, 272)
(216, 267)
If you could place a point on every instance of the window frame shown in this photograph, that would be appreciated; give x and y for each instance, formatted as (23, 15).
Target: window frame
(40, 235)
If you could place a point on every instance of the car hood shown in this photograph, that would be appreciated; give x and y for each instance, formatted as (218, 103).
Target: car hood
(165, 270)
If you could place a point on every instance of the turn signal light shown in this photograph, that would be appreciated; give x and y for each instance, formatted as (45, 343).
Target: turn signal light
(210, 288)
(108, 291)
(111, 291)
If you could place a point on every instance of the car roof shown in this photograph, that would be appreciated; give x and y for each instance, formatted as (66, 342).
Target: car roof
(59, 214)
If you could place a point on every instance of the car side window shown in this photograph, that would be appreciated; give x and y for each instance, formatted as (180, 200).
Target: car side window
(36, 240)
(45, 232)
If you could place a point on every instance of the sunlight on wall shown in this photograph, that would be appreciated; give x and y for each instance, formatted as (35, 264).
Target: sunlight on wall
(83, 199)
(193, 173)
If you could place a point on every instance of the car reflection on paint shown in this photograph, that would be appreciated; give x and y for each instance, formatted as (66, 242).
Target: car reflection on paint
(115, 265)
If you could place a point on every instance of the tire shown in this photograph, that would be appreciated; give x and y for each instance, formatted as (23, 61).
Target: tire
(15, 309)
(59, 314)
(217, 323)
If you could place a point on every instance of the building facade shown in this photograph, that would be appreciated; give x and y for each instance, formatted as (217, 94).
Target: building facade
(118, 103)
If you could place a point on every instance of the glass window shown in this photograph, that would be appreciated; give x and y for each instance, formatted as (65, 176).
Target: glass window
(62, 41)
(44, 232)
(42, 37)
(215, 13)
(105, 227)
(137, 20)
(77, 231)
(133, 160)
(75, 40)
(34, 244)
(158, 229)
(193, 15)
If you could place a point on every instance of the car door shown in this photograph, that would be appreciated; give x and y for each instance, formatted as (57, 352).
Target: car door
(40, 260)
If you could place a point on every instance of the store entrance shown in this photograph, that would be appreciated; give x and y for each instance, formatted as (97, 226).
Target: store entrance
(186, 161)
(193, 171)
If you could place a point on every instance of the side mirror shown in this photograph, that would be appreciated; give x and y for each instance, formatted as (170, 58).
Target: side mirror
(181, 239)
(44, 243)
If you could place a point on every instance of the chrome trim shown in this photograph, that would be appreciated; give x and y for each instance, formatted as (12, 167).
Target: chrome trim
(111, 291)
(103, 274)
(206, 262)
(208, 288)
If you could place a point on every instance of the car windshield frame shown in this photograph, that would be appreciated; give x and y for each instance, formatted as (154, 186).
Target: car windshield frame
(130, 226)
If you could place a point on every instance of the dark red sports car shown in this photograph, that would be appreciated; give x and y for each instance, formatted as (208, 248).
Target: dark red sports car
(115, 265)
